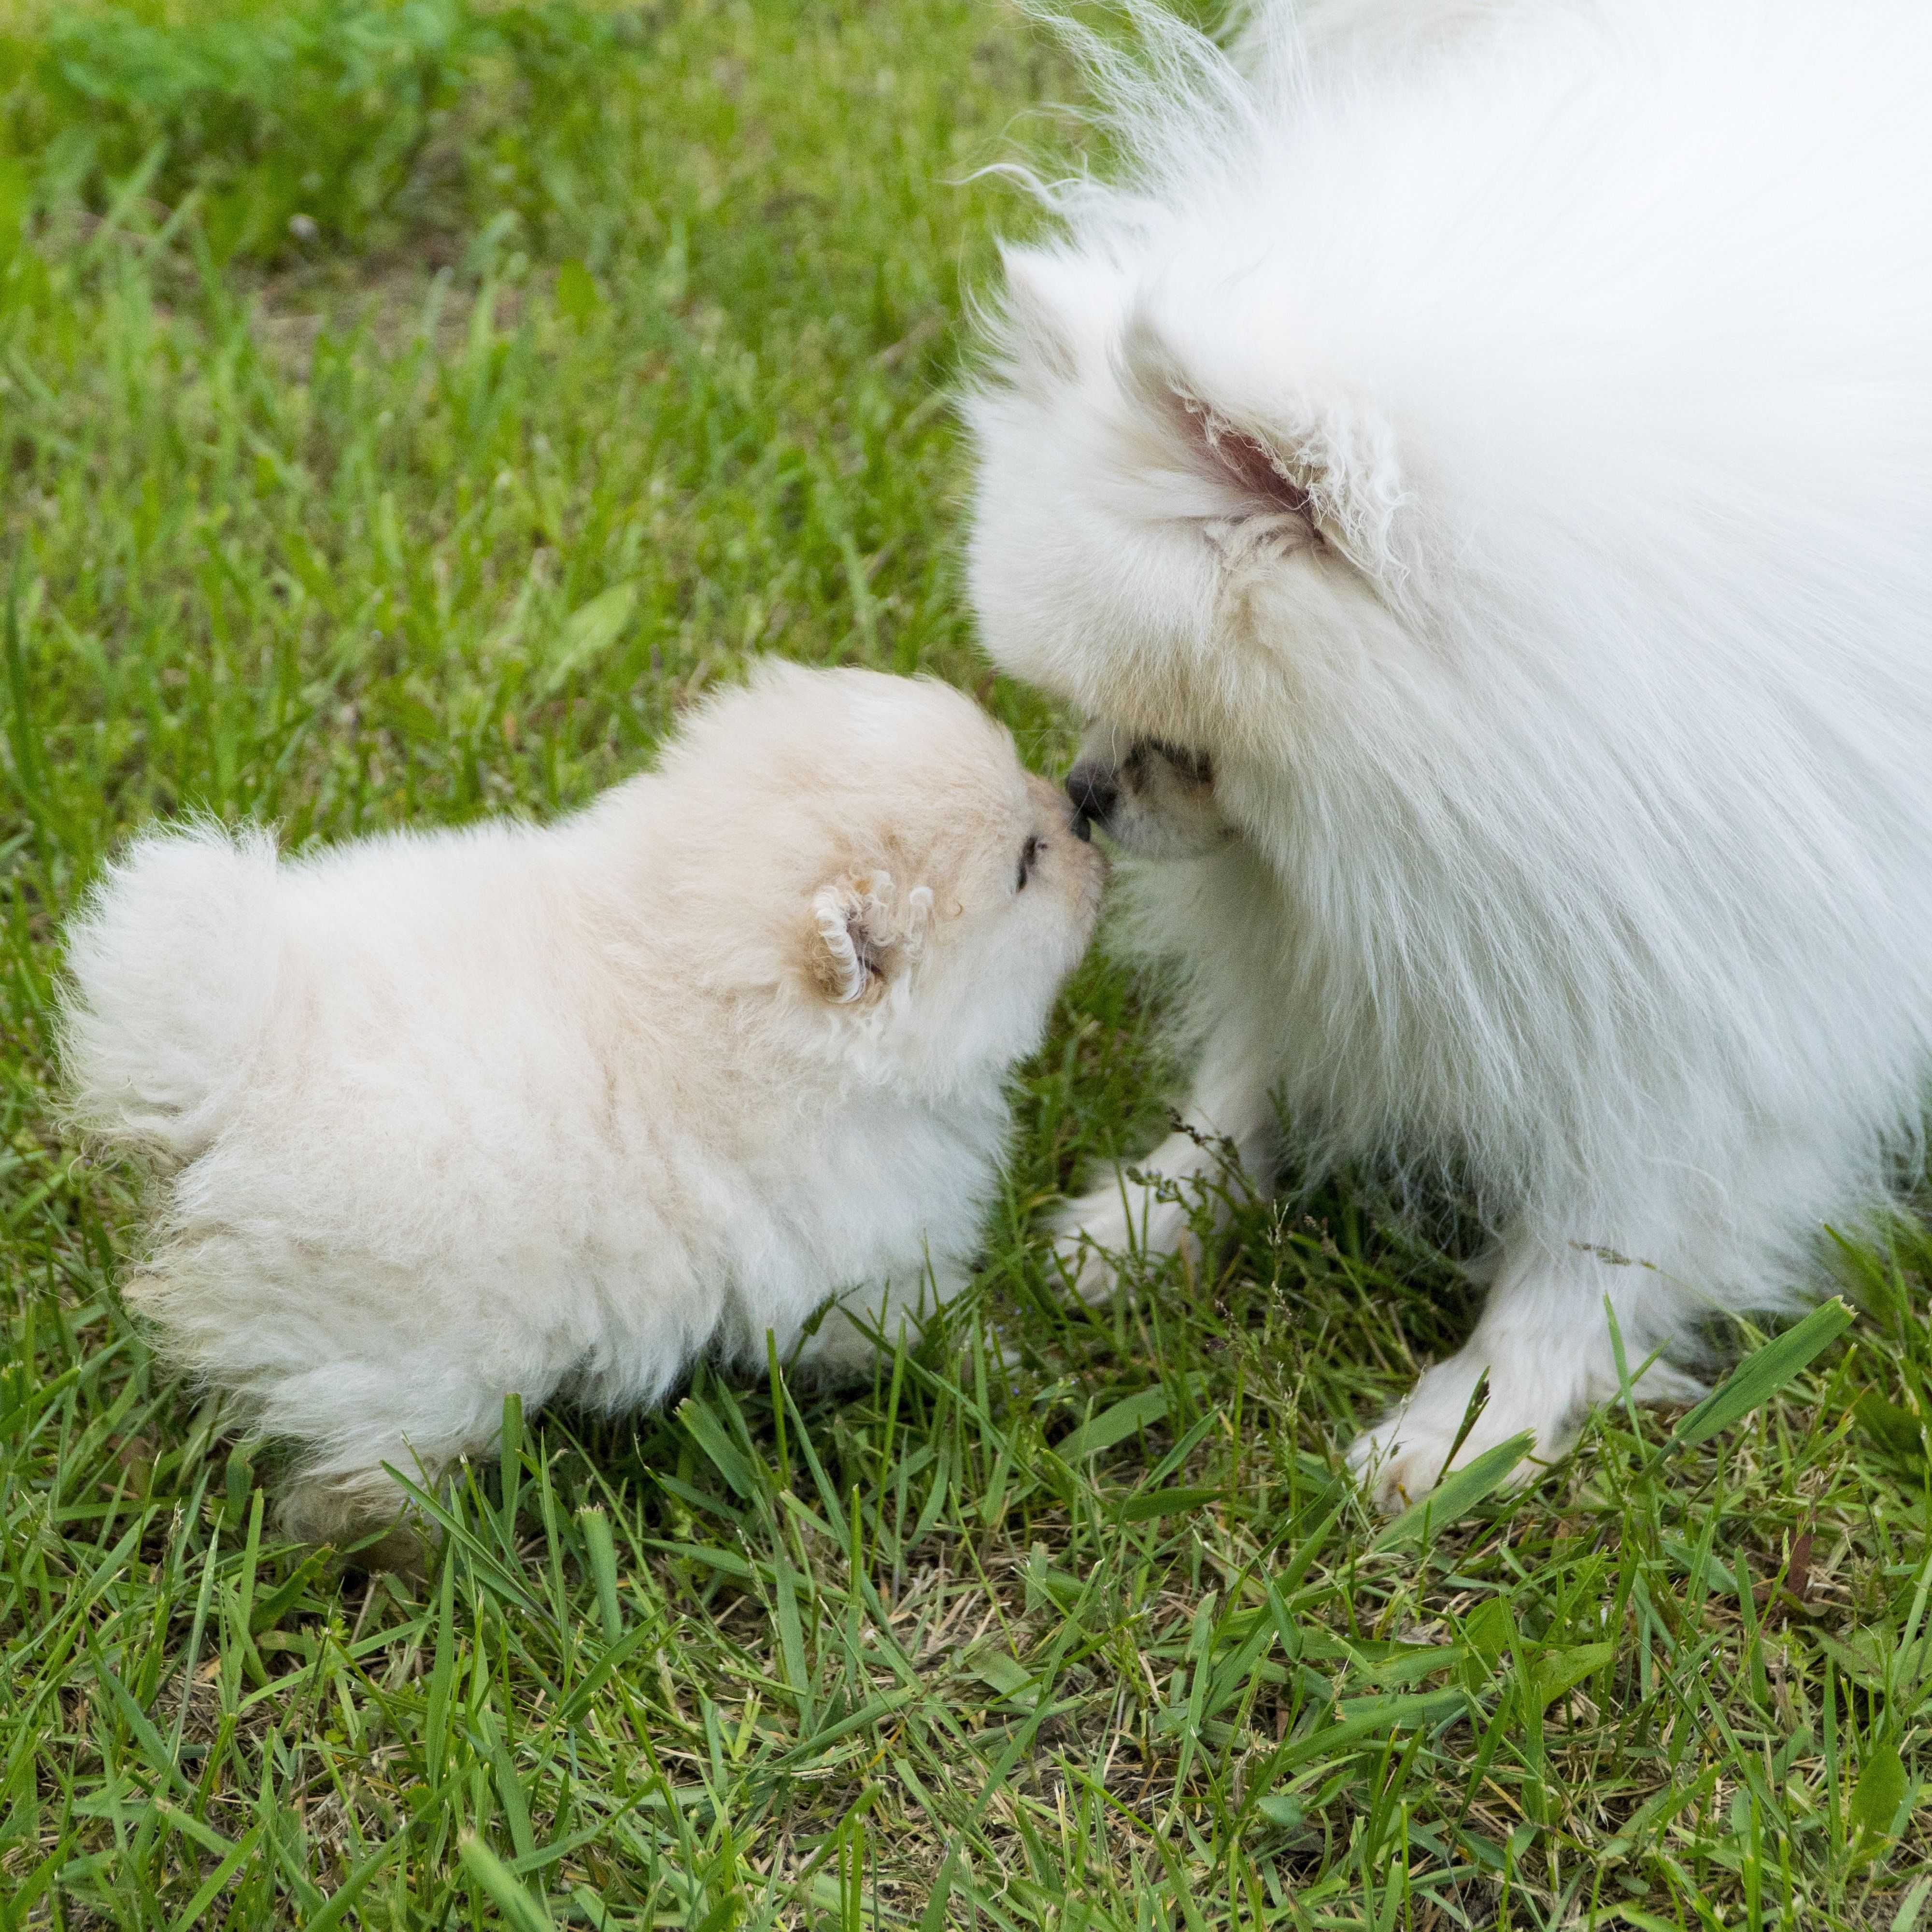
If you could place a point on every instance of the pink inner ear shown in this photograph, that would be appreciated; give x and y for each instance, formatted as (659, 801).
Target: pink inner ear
(1245, 460)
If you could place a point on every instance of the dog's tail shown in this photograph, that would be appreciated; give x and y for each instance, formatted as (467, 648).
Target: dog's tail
(172, 965)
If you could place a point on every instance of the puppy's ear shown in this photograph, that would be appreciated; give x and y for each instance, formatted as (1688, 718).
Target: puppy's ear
(1325, 459)
(862, 933)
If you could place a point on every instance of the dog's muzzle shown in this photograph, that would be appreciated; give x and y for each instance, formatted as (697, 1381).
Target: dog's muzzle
(1094, 789)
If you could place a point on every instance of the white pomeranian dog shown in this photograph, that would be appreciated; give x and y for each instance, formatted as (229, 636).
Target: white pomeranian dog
(1475, 467)
(440, 1117)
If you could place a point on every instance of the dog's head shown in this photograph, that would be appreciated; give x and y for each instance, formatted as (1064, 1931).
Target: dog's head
(1189, 519)
(1173, 530)
(911, 887)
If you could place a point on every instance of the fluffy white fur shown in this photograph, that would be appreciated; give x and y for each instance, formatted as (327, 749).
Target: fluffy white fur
(439, 1117)
(1499, 433)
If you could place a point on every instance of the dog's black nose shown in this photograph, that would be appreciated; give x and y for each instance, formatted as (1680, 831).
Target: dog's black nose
(1093, 789)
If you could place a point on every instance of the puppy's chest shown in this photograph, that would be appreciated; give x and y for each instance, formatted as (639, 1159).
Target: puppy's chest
(888, 1169)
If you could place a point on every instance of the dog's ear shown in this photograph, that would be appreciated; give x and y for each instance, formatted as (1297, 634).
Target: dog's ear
(1038, 331)
(862, 933)
(1327, 460)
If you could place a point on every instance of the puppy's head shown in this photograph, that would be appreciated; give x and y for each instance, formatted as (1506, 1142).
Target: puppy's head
(917, 891)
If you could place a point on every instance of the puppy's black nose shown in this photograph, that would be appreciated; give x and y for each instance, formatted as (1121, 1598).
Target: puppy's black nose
(1093, 789)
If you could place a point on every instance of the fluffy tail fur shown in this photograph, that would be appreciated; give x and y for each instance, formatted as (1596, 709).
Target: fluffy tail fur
(171, 967)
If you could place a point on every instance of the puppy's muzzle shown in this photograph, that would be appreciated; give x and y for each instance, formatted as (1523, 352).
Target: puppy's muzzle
(1094, 789)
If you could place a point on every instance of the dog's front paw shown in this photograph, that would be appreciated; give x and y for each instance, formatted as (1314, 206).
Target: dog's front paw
(1408, 1452)
(1095, 1236)
(1400, 1460)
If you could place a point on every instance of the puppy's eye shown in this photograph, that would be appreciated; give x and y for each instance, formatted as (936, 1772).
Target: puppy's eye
(1029, 852)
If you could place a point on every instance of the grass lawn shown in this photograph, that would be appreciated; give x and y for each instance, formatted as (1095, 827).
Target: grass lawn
(405, 410)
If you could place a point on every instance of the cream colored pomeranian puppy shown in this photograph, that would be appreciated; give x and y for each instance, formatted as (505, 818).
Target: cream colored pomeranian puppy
(439, 1117)
(1473, 464)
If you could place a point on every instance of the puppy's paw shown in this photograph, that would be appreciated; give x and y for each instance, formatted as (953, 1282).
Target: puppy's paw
(366, 1512)
(1094, 1236)
(1407, 1453)
(841, 1352)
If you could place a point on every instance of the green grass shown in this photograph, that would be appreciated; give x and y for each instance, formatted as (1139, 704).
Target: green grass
(624, 358)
